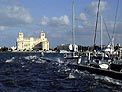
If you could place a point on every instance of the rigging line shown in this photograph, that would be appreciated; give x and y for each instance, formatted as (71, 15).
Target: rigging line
(96, 22)
(115, 19)
(106, 29)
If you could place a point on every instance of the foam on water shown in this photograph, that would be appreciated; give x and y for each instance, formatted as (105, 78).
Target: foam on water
(71, 76)
(111, 80)
(10, 60)
(27, 72)
(31, 57)
(75, 74)
(108, 79)
(59, 60)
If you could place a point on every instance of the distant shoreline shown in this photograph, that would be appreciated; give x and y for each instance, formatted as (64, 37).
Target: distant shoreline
(20, 52)
(27, 51)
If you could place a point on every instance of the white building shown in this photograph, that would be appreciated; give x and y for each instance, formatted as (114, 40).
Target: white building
(31, 43)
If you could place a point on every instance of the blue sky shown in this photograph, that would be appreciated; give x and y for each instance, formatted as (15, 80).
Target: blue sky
(54, 17)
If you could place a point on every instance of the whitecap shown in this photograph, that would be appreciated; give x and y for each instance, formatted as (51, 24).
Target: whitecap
(30, 57)
(40, 61)
(108, 79)
(67, 69)
(71, 76)
(113, 81)
(10, 60)
(74, 74)
(23, 66)
(59, 60)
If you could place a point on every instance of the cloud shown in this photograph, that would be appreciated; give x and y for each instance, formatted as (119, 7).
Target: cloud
(84, 22)
(12, 16)
(61, 21)
(93, 7)
(44, 20)
(55, 22)
(83, 16)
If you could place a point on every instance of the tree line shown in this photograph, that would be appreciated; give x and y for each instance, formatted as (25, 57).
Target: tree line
(5, 49)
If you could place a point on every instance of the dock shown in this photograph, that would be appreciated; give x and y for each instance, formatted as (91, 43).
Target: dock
(92, 70)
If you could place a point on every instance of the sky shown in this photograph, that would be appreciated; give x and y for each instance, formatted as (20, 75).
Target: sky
(54, 17)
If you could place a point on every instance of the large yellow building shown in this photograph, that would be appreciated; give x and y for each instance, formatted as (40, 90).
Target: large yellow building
(31, 43)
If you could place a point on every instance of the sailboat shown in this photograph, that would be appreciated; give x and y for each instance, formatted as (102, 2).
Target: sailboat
(112, 69)
(73, 54)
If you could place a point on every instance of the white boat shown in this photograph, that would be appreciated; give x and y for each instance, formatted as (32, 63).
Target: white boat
(73, 53)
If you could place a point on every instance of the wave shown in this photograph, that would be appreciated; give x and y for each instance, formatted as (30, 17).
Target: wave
(10, 60)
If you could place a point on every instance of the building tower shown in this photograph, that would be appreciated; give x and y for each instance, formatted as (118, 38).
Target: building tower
(44, 41)
(20, 36)
(20, 41)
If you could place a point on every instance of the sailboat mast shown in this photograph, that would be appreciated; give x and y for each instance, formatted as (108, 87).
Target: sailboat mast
(115, 22)
(73, 21)
(101, 29)
(96, 23)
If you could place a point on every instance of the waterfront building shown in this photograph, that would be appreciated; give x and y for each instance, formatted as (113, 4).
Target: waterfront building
(25, 44)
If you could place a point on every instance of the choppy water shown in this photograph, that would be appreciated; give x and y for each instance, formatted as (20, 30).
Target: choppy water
(27, 72)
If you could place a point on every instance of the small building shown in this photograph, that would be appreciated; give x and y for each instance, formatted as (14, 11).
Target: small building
(25, 44)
